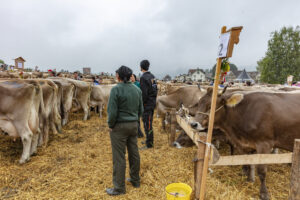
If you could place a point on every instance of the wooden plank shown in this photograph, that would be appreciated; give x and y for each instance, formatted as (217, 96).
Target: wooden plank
(295, 172)
(254, 159)
(194, 135)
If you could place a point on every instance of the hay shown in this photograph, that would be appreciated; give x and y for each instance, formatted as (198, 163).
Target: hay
(77, 165)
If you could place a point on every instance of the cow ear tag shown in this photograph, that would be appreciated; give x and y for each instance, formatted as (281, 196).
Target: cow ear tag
(234, 100)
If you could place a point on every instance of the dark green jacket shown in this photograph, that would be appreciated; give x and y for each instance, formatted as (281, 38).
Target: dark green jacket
(125, 104)
(137, 84)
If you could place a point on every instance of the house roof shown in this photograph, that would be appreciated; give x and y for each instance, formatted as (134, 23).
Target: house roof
(244, 76)
(191, 71)
(237, 73)
(253, 75)
(20, 58)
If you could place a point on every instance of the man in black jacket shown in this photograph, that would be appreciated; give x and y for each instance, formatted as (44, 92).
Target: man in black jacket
(149, 93)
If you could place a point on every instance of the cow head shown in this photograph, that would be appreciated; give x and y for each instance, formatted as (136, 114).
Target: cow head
(224, 101)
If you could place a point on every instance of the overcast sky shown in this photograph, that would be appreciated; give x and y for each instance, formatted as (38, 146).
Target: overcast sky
(174, 35)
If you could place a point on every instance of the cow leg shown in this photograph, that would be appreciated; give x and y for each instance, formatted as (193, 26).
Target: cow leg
(34, 143)
(262, 172)
(85, 110)
(275, 150)
(217, 144)
(46, 132)
(231, 148)
(40, 140)
(26, 137)
(65, 118)
(86, 113)
(249, 171)
(163, 124)
(100, 107)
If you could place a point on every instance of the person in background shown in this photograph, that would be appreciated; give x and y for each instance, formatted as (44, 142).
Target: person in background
(59, 74)
(95, 82)
(137, 83)
(52, 73)
(124, 109)
(149, 93)
(76, 76)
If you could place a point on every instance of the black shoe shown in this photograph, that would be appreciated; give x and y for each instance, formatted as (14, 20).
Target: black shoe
(145, 148)
(134, 184)
(114, 192)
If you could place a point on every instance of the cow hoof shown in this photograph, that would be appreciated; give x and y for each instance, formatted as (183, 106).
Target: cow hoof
(23, 160)
(264, 196)
(251, 180)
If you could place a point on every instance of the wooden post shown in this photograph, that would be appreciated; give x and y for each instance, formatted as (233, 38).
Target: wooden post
(173, 126)
(295, 172)
(203, 150)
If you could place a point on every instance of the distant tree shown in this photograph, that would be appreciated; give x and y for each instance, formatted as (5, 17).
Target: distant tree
(167, 78)
(233, 68)
(1, 62)
(28, 70)
(282, 57)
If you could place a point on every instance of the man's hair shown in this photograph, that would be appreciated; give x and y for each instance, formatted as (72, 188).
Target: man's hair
(134, 76)
(124, 73)
(145, 64)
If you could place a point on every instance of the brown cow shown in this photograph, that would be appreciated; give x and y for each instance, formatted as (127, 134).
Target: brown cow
(20, 105)
(82, 95)
(65, 96)
(256, 121)
(186, 96)
(99, 96)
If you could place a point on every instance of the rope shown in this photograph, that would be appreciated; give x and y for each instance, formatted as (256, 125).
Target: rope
(203, 113)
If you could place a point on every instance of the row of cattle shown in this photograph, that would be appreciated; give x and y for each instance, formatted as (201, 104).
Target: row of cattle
(30, 108)
(253, 119)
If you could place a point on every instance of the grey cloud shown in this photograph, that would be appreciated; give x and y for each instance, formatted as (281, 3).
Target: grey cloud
(174, 35)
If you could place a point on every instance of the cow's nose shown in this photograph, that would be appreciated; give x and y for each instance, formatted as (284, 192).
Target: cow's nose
(194, 124)
(177, 145)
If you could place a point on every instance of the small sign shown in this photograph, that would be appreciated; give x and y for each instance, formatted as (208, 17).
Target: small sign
(224, 40)
(290, 79)
(20, 65)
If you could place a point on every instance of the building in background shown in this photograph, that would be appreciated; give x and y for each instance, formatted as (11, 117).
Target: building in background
(86, 70)
(19, 63)
(196, 75)
(244, 77)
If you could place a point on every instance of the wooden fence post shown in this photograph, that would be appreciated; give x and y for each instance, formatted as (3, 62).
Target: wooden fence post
(173, 126)
(295, 172)
(203, 150)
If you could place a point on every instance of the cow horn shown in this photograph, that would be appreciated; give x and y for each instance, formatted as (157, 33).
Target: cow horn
(224, 90)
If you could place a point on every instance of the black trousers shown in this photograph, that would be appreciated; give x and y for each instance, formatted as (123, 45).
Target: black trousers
(147, 120)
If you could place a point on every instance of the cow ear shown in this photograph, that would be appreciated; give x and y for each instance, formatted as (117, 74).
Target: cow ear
(209, 91)
(234, 100)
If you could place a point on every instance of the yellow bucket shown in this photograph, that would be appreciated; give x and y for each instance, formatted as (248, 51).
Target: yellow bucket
(178, 191)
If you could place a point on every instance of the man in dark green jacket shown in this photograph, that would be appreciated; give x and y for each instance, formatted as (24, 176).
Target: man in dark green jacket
(124, 109)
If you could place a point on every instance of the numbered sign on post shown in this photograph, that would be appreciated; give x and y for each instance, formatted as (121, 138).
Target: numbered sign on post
(224, 41)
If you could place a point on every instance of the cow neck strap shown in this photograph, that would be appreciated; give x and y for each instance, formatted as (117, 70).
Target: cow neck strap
(208, 112)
